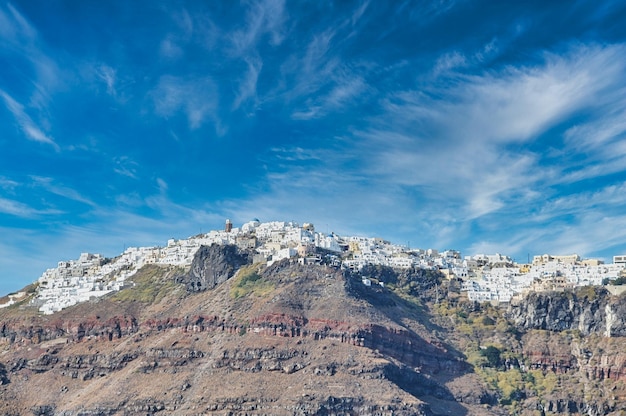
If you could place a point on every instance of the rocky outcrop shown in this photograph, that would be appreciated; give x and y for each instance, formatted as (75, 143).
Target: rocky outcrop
(590, 310)
(577, 338)
(213, 265)
(594, 357)
(4, 378)
(74, 330)
(416, 281)
(307, 405)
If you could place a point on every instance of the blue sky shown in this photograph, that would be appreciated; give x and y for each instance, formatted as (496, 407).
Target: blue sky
(483, 126)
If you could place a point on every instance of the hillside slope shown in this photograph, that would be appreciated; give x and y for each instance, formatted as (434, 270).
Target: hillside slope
(288, 339)
(230, 337)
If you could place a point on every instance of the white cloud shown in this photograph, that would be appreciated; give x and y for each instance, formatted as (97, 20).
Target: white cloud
(449, 61)
(170, 49)
(19, 209)
(108, 76)
(125, 166)
(598, 133)
(11, 207)
(196, 98)
(8, 184)
(358, 13)
(22, 40)
(308, 72)
(318, 81)
(26, 124)
(460, 142)
(296, 154)
(162, 185)
(343, 93)
(457, 157)
(66, 192)
(15, 28)
(611, 198)
(248, 84)
(185, 23)
(263, 17)
(172, 46)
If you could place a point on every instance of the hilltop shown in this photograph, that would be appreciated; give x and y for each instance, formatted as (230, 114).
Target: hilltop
(486, 278)
(302, 339)
(226, 334)
(283, 339)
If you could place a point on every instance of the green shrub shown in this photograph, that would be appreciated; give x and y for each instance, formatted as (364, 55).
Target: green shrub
(247, 281)
(492, 354)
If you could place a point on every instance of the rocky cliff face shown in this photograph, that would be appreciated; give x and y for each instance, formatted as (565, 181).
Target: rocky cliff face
(296, 339)
(75, 330)
(576, 340)
(574, 332)
(213, 265)
(302, 340)
(590, 310)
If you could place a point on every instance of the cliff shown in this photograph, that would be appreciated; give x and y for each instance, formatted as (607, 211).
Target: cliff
(213, 265)
(578, 337)
(228, 336)
(549, 353)
(288, 339)
(590, 310)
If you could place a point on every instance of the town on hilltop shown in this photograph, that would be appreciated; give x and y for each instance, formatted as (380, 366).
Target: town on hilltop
(494, 278)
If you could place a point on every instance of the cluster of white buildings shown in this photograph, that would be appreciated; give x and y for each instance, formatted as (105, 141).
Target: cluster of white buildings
(92, 275)
(501, 282)
(494, 278)
(79, 280)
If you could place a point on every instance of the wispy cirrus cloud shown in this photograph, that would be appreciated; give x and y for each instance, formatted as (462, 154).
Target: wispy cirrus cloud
(108, 76)
(248, 82)
(14, 26)
(197, 98)
(312, 68)
(482, 116)
(263, 17)
(22, 210)
(8, 184)
(125, 166)
(460, 155)
(66, 192)
(22, 40)
(28, 127)
(449, 61)
(318, 81)
(172, 47)
(343, 92)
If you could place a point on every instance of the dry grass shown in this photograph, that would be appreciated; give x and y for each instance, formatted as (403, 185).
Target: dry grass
(247, 281)
(150, 285)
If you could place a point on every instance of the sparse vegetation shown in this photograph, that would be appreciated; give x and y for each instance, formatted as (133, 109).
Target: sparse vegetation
(151, 284)
(20, 303)
(248, 280)
(512, 369)
(492, 354)
(587, 292)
